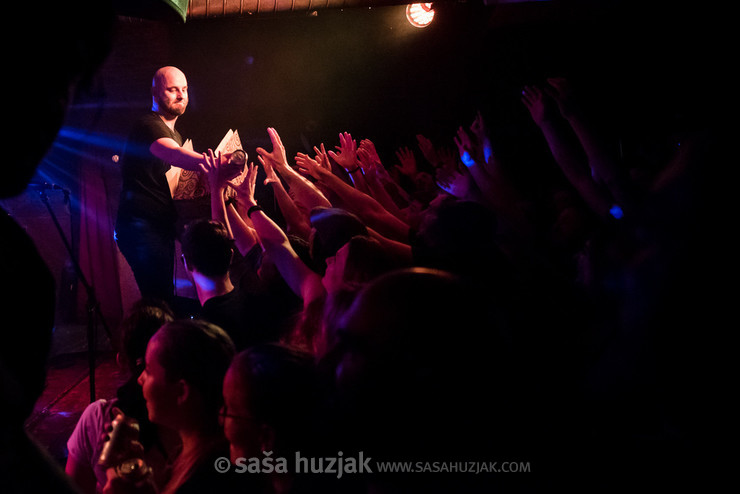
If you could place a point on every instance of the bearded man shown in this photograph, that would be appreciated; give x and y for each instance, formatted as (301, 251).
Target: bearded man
(146, 220)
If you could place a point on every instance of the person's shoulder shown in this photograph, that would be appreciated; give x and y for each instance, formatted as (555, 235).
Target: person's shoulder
(98, 410)
(148, 121)
(149, 116)
(235, 296)
(91, 421)
(148, 128)
(210, 477)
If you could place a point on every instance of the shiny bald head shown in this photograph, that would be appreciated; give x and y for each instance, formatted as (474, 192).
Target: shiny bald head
(169, 92)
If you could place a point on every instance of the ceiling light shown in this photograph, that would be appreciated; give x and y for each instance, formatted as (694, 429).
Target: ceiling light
(419, 14)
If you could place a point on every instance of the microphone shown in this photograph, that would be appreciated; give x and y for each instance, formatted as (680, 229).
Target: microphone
(46, 186)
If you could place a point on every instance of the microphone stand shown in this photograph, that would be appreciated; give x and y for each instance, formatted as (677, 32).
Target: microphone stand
(93, 306)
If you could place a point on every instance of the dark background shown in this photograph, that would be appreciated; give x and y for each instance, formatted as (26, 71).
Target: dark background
(648, 72)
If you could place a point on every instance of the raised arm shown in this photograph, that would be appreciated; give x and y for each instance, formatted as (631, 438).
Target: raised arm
(567, 154)
(370, 211)
(244, 235)
(496, 190)
(211, 166)
(604, 165)
(371, 171)
(297, 221)
(407, 163)
(346, 157)
(300, 189)
(300, 278)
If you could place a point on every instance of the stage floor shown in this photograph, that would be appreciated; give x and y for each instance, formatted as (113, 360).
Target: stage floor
(67, 394)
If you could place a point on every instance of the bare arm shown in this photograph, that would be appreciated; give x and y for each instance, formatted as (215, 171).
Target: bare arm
(602, 162)
(569, 157)
(245, 236)
(82, 475)
(491, 185)
(395, 191)
(346, 157)
(370, 211)
(302, 191)
(297, 221)
(370, 166)
(169, 151)
(300, 278)
(400, 250)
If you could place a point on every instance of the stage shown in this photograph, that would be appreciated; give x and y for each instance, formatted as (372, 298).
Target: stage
(67, 391)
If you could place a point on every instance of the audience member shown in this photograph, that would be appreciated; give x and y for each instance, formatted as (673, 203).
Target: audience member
(85, 444)
(185, 364)
(271, 398)
(427, 313)
(248, 317)
(421, 375)
(331, 229)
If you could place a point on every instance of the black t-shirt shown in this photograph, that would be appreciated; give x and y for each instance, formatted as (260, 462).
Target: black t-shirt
(254, 312)
(251, 318)
(145, 192)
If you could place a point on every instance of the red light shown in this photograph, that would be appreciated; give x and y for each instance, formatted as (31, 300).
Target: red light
(419, 14)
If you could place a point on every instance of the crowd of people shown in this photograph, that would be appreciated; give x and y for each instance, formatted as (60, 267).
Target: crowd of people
(425, 310)
(422, 310)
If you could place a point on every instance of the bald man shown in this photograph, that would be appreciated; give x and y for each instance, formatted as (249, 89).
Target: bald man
(145, 226)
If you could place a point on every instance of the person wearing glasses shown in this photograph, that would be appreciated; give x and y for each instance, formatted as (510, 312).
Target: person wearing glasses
(271, 402)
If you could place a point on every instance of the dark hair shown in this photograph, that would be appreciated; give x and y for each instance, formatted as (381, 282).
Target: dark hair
(207, 247)
(460, 237)
(366, 260)
(199, 353)
(283, 390)
(334, 227)
(144, 318)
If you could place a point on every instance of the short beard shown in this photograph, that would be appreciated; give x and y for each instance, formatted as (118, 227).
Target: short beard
(172, 113)
(169, 112)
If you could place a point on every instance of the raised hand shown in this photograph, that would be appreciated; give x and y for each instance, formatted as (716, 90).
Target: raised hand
(428, 150)
(448, 159)
(249, 183)
(277, 156)
(245, 189)
(407, 162)
(347, 155)
(470, 152)
(308, 166)
(270, 175)
(454, 182)
(211, 166)
(322, 157)
(366, 161)
(537, 103)
(562, 92)
(478, 128)
(369, 147)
